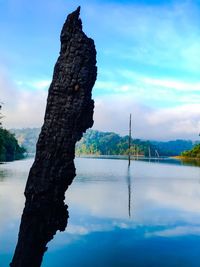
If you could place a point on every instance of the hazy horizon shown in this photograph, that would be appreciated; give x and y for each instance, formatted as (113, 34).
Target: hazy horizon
(133, 137)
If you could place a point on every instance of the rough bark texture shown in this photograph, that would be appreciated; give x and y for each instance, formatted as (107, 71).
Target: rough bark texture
(69, 113)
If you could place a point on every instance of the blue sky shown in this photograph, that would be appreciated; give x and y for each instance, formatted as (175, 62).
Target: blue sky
(148, 63)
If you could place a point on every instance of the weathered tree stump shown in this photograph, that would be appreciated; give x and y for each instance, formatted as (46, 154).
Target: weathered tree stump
(69, 113)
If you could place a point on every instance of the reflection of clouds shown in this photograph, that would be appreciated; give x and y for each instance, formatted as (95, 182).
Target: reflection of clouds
(12, 192)
(183, 197)
(75, 231)
(176, 231)
(161, 195)
(99, 200)
(12, 202)
(97, 227)
(153, 201)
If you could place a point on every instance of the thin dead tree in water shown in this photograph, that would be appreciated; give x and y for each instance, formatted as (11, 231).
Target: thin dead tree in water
(129, 143)
(129, 191)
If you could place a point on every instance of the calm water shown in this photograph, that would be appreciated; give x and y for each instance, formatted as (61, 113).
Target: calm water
(145, 216)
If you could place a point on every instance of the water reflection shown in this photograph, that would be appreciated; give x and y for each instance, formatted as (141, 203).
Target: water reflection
(2, 175)
(39, 224)
(165, 230)
(173, 161)
(44, 213)
(129, 190)
(191, 162)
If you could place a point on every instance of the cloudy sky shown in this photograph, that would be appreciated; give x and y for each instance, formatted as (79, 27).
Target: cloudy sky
(148, 63)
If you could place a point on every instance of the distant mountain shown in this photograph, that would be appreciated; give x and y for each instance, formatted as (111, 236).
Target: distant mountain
(108, 143)
(172, 148)
(27, 137)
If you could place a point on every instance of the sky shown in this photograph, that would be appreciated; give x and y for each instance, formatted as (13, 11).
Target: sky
(148, 58)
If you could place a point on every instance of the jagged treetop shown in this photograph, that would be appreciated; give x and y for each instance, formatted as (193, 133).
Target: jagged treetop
(72, 24)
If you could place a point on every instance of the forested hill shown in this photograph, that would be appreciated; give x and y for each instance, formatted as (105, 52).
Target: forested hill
(193, 153)
(9, 147)
(108, 143)
(174, 147)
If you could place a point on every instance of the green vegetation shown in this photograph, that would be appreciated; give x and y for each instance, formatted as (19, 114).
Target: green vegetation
(93, 142)
(9, 147)
(172, 148)
(108, 143)
(193, 153)
(100, 143)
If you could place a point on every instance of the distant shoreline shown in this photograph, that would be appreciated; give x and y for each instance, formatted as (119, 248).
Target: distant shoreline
(125, 157)
(186, 158)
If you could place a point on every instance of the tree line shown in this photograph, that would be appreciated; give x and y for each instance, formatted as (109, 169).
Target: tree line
(9, 147)
(109, 143)
(193, 153)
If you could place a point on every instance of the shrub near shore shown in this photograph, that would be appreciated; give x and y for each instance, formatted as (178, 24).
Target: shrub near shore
(193, 153)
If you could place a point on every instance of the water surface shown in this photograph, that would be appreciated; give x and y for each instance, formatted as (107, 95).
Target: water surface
(147, 215)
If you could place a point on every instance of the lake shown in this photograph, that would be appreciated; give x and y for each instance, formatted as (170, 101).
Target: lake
(147, 215)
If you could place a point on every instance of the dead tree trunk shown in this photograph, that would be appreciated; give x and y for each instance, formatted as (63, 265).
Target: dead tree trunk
(69, 113)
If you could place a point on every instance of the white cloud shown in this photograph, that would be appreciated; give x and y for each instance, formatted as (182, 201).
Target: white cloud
(42, 84)
(173, 84)
(149, 90)
(23, 107)
(178, 121)
(163, 83)
(112, 113)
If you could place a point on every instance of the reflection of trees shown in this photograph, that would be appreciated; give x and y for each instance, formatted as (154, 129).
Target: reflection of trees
(190, 162)
(3, 174)
(39, 223)
(129, 191)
